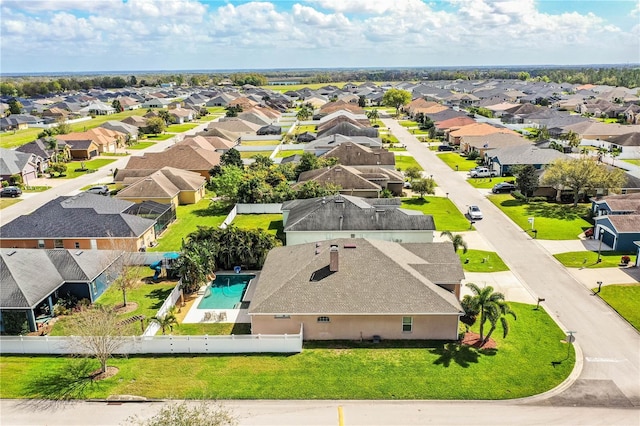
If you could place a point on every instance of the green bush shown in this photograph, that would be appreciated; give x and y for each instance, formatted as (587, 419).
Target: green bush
(518, 196)
(15, 322)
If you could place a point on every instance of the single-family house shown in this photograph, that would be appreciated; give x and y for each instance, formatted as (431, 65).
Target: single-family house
(84, 149)
(269, 130)
(165, 186)
(18, 166)
(83, 221)
(476, 129)
(97, 108)
(618, 231)
(486, 143)
(353, 154)
(321, 145)
(183, 157)
(44, 150)
(344, 216)
(501, 160)
(105, 139)
(182, 115)
(34, 280)
(362, 181)
(214, 143)
(131, 131)
(354, 289)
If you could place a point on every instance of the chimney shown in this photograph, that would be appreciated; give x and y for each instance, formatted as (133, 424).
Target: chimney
(333, 258)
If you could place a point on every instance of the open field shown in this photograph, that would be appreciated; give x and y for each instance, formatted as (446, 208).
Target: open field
(529, 361)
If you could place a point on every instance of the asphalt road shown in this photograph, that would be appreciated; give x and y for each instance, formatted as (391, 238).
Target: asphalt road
(611, 347)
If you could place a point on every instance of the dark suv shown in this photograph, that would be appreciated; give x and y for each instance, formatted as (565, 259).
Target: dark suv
(446, 148)
(503, 187)
(11, 191)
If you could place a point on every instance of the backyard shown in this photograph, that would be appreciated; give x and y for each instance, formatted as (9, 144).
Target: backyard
(552, 221)
(189, 218)
(445, 214)
(531, 360)
(271, 223)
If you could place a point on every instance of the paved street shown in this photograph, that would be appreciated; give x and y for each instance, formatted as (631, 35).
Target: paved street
(610, 345)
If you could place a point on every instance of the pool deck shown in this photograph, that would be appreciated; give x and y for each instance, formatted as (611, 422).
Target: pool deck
(196, 315)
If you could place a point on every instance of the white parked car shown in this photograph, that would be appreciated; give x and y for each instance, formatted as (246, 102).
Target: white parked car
(475, 213)
(481, 172)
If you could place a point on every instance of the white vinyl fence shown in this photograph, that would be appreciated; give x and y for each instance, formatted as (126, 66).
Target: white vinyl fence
(266, 208)
(170, 301)
(249, 343)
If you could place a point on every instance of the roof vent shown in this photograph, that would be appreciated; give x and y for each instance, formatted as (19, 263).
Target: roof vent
(11, 253)
(350, 245)
(79, 252)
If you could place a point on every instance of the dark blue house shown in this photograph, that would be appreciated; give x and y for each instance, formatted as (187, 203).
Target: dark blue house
(617, 220)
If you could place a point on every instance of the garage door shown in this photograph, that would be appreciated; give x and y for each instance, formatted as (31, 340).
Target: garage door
(608, 238)
(93, 154)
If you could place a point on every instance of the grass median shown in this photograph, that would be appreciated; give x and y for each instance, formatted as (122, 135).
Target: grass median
(531, 360)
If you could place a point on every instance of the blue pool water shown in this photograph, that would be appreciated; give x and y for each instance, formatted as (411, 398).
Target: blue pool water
(225, 292)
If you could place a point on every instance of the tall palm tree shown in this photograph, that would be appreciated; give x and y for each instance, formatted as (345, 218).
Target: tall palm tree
(456, 240)
(373, 115)
(491, 306)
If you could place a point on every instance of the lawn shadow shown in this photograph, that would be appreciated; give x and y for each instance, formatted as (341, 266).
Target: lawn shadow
(463, 355)
(159, 295)
(555, 211)
(71, 381)
(211, 210)
(416, 201)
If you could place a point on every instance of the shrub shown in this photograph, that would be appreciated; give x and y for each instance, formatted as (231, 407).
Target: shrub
(473, 155)
(15, 322)
(537, 199)
(518, 196)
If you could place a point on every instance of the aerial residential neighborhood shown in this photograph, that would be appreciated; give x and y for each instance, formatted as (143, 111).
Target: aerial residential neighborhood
(314, 245)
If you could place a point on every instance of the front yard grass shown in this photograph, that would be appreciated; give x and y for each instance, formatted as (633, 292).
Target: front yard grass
(529, 361)
(271, 223)
(624, 299)
(141, 145)
(403, 162)
(488, 183)
(453, 159)
(160, 137)
(6, 202)
(90, 165)
(445, 214)
(180, 128)
(589, 259)
(481, 261)
(189, 217)
(635, 162)
(552, 221)
(408, 123)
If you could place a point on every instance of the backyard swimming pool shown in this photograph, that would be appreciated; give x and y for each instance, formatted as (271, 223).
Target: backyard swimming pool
(225, 292)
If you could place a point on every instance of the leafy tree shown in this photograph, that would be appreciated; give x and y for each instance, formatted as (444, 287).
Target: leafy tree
(615, 152)
(63, 129)
(129, 278)
(166, 116)
(59, 168)
(313, 189)
(15, 106)
(188, 414)
(167, 320)
(254, 189)
(232, 158)
(457, 240)
(491, 306)
(233, 110)
(305, 113)
(117, 105)
(572, 138)
(362, 101)
(225, 184)
(543, 134)
(261, 162)
(396, 98)
(97, 332)
(308, 161)
(156, 125)
(133, 81)
(581, 174)
(423, 186)
(526, 179)
(413, 172)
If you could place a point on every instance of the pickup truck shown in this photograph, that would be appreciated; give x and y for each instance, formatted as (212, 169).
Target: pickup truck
(482, 172)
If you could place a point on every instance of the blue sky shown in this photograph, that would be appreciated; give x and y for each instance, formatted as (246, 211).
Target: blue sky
(115, 35)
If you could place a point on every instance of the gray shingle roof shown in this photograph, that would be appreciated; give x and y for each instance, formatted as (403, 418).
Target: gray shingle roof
(24, 286)
(82, 216)
(13, 162)
(526, 154)
(344, 212)
(374, 277)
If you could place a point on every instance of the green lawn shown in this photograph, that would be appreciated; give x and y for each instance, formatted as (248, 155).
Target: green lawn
(251, 154)
(481, 261)
(589, 259)
(453, 159)
(445, 214)
(91, 165)
(403, 162)
(625, 299)
(272, 223)
(306, 128)
(35, 188)
(189, 217)
(179, 128)
(6, 202)
(216, 110)
(487, 183)
(160, 137)
(553, 221)
(209, 117)
(635, 162)
(529, 361)
(141, 145)
(408, 123)
(261, 143)
(289, 153)
(14, 139)
(148, 296)
(211, 329)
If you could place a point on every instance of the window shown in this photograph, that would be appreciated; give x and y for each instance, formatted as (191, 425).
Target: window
(58, 244)
(40, 243)
(324, 319)
(77, 244)
(407, 324)
(282, 316)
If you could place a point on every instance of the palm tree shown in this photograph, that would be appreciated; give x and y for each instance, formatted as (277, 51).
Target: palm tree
(491, 306)
(373, 115)
(304, 113)
(456, 240)
(167, 320)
